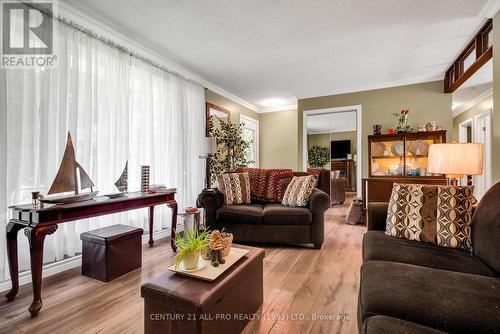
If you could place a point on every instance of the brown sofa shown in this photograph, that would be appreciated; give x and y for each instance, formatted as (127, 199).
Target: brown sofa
(413, 287)
(268, 222)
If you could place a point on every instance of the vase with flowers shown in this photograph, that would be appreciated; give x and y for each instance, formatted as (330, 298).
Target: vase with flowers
(402, 116)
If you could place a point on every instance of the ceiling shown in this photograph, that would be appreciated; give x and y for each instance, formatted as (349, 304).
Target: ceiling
(335, 122)
(476, 88)
(281, 50)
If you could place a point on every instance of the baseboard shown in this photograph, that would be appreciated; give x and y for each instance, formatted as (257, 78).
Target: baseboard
(53, 268)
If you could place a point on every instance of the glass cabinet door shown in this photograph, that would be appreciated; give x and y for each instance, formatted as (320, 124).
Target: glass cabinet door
(403, 155)
(417, 153)
(387, 156)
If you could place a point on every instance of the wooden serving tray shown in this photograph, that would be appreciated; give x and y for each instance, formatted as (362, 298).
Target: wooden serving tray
(209, 272)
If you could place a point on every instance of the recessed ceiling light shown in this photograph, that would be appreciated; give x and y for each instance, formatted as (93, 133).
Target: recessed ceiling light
(273, 102)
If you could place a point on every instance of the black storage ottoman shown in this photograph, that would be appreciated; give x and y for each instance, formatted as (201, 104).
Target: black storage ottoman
(110, 252)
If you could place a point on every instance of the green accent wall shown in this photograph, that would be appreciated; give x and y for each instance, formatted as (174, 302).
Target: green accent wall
(426, 101)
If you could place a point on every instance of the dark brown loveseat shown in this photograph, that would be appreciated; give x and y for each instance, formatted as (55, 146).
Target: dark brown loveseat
(268, 222)
(412, 287)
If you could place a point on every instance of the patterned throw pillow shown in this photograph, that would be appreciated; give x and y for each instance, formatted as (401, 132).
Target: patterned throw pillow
(299, 190)
(454, 216)
(412, 212)
(267, 184)
(236, 188)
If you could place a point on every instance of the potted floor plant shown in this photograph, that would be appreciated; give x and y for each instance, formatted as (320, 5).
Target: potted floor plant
(189, 245)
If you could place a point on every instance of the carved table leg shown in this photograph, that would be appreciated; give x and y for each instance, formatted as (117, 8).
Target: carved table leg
(151, 217)
(173, 206)
(36, 238)
(12, 229)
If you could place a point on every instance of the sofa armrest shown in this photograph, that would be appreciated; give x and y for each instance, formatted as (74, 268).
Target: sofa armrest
(377, 216)
(210, 200)
(319, 202)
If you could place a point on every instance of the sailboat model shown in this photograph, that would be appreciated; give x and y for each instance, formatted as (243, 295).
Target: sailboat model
(122, 182)
(67, 179)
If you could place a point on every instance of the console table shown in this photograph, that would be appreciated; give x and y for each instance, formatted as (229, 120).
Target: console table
(41, 221)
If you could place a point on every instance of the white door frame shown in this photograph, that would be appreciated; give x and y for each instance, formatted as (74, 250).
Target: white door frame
(248, 120)
(462, 130)
(462, 136)
(359, 135)
(487, 147)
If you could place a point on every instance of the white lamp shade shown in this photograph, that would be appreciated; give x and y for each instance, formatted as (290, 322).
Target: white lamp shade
(209, 145)
(456, 159)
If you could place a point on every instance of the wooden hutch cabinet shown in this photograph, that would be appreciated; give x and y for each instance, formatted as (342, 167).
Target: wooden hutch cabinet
(399, 158)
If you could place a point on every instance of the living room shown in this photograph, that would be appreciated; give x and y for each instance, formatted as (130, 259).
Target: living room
(250, 166)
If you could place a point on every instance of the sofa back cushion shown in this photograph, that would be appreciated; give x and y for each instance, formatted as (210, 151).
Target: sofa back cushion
(236, 188)
(267, 185)
(486, 228)
(299, 190)
(454, 216)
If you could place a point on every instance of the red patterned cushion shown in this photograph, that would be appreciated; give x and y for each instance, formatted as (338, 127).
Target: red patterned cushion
(315, 171)
(268, 184)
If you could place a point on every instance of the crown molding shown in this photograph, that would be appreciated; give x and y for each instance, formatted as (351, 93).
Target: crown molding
(490, 9)
(376, 86)
(95, 23)
(459, 110)
(328, 132)
(278, 108)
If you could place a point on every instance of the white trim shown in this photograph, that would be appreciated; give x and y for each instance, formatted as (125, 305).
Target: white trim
(490, 9)
(374, 86)
(462, 135)
(327, 132)
(278, 108)
(247, 120)
(488, 149)
(458, 110)
(66, 264)
(359, 137)
(84, 19)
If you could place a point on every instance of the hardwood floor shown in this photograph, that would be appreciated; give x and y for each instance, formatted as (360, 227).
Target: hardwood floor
(299, 283)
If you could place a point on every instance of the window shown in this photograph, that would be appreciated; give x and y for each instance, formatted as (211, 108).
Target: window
(251, 135)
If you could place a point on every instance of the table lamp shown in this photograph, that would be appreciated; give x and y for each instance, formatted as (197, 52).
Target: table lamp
(209, 146)
(456, 160)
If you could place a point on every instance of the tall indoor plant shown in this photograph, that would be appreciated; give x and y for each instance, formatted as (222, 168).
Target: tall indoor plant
(231, 149)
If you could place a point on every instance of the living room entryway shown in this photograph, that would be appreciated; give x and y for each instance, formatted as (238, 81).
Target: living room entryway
(332, 143)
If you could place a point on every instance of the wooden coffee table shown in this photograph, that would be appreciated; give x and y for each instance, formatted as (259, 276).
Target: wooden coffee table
(174, 303)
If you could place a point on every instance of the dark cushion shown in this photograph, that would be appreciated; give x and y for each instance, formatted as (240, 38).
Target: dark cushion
(378, 246)
(445, 300)
(277, 214)
(486, 228)
(240, 214)
(380, 324)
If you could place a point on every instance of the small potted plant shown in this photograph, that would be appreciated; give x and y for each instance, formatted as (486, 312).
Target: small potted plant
(189, 245)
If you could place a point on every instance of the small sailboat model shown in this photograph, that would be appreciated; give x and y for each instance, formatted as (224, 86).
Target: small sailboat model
(122, 183)
(67, 180)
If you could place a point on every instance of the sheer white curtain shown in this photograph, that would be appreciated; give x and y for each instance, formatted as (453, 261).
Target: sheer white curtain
(117, 108)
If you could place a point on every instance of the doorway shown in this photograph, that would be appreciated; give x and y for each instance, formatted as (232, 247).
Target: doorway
(337, 133)
(482, 134)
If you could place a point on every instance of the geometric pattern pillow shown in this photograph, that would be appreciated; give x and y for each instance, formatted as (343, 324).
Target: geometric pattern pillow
(299, 190)
(235, 187)
(268, 184)
(454, 216)
(429, 213)
(404, 219)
